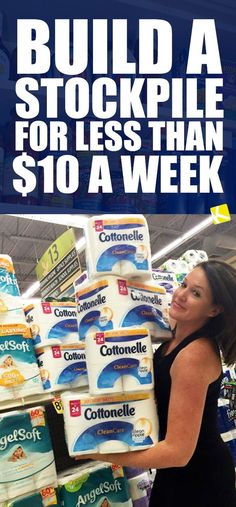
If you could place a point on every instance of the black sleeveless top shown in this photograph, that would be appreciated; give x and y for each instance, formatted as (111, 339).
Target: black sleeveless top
(208, 480)
(209, 432)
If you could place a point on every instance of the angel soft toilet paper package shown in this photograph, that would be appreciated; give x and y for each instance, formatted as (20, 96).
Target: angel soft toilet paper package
(118, 245)
(52, 323)
(12, 317)
(26, 457)
(62, 366)
(109, 424)
(113, 302)
(96, 486)
(9, 290)
(19, 372)
(43, 498)
(120, 360)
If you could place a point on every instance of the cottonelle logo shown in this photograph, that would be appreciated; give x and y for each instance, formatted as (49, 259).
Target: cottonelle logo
(106, 413)
(64, 312)
(139, 296)
(120, 350)
(99, 300)
(115, 236)
(74, 356)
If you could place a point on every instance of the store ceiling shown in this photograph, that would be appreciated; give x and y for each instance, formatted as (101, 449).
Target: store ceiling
(25, 240)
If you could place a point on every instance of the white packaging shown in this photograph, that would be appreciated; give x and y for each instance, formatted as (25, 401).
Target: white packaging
(9, 290)
(118, 245)
(19, 372)
(165, 279)
(52, 323)
(169, 265)
(26, 457)
(181, 266)
(109, 424)
(12, 316)
(194, 256)
(62, 366)
(113, 302)
(120, 360)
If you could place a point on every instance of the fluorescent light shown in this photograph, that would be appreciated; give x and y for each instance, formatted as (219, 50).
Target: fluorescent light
(187, 235)
(78, 221)
(31, 290)
(80, 245)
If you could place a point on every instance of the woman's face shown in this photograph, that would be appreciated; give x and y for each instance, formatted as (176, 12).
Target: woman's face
(192, 301)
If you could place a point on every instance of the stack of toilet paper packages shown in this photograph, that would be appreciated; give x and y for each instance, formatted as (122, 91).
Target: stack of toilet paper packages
(118, 245)
(42, 498)
(26, 457)
(19, 372)
(119, 361)
(116, 318)
(112, 302)
(100, 485)
(52, 323)
(114, 423)
(60, 354)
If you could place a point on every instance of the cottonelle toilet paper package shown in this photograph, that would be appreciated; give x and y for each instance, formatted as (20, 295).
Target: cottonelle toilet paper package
(165, 279)
(26, 456)
(19, 372)
(96, 486)
(120, 360)
(42, 498)
(118, 245)
(9, 290)
(52, 323)
(112, 302)
(62, 366)
(109, 424)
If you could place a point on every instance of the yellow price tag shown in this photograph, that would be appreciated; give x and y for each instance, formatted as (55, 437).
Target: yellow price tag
(220, 214)
(57, 403)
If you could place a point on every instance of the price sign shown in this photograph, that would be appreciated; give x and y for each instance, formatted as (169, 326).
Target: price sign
(59, 266)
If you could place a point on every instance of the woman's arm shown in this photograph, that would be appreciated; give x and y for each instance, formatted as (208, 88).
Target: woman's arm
(191, 374)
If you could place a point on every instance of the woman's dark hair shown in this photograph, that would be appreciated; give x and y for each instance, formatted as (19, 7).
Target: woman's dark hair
(222, 280)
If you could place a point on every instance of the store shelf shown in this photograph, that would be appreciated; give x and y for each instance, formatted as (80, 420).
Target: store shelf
(37, 399)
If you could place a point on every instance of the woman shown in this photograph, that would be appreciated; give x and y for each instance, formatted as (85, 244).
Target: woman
(194, 466)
